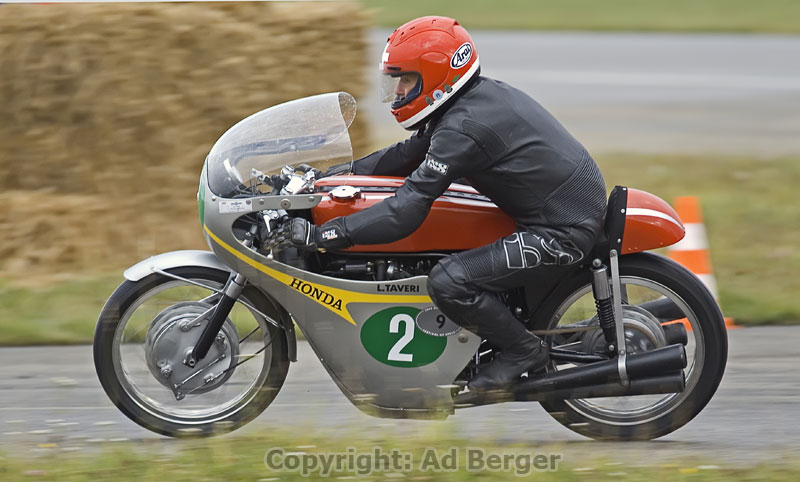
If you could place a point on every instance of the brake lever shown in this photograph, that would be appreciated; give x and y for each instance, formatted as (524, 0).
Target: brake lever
(255, 173)
(274, 218)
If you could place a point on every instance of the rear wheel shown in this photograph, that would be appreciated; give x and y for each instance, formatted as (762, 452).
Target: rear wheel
(145, 331)
(645, 278)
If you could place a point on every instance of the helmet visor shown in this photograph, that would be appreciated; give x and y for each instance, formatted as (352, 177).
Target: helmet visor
(400, 88)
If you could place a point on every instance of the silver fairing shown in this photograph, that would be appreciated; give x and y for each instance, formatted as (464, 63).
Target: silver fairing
(333, 313)
(366, 334)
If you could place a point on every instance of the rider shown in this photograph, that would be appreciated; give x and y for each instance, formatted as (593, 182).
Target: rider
(510, 149)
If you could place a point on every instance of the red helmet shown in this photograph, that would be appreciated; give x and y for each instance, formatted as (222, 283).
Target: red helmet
(440, 52)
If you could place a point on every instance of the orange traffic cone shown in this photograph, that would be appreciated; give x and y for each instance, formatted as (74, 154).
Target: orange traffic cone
(692, 250)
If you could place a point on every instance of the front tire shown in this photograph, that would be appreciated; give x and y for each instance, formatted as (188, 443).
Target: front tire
(645, 277)
(258, 365)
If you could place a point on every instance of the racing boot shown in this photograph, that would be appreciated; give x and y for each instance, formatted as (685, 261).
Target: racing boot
(527, 355)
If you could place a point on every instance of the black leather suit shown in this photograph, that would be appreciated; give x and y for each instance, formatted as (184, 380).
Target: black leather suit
(512, 150)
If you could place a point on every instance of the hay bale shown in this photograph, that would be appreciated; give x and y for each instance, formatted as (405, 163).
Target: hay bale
(110, 110)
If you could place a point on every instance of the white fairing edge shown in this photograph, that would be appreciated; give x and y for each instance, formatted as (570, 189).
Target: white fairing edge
(174, 259)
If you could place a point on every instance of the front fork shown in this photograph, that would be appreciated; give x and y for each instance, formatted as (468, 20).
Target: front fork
(227, 298)
(230, 293)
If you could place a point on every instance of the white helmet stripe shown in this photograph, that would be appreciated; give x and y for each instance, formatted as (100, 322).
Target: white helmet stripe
(384, 56)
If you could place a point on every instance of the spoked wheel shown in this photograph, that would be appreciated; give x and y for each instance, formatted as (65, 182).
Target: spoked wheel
(147, 328)
(646, 278)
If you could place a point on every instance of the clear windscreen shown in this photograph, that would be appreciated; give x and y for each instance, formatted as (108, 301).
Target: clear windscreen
(308, 130)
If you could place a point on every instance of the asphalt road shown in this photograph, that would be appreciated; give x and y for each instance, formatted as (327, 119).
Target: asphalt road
(51, 400)
(648, 93)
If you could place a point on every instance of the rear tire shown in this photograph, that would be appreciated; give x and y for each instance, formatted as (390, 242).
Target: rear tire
(151, 406)
(707, 352)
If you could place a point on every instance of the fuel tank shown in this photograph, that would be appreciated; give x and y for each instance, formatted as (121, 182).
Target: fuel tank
(460, 219)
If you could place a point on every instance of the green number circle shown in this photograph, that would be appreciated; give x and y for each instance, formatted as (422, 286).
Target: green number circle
(391, 336)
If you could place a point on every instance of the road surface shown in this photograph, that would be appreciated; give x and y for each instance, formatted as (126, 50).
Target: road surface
(50, 395)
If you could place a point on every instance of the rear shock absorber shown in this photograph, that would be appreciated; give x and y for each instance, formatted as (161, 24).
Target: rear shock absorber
(604, 303)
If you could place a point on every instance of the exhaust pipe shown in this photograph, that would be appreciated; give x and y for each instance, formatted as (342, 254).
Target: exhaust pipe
(640, 365)
(655, 371)
(675, 333)
(664, 309)
(668, 383)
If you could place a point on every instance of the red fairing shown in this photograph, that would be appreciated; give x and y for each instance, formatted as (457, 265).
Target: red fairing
(458, 220)
(649, 223)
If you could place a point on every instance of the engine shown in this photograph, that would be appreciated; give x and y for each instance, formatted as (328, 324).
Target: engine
(377, 268)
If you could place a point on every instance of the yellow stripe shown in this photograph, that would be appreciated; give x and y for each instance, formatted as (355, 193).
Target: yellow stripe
(346, 296)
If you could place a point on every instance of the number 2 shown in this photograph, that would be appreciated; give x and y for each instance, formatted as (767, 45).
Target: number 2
(394, 327)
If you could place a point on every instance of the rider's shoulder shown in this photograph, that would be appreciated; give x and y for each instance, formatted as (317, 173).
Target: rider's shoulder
(479, 100)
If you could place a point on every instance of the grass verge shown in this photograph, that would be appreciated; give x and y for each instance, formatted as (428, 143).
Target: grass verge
(750, 208)
(51, 312)
(772, 16)
(273, 457)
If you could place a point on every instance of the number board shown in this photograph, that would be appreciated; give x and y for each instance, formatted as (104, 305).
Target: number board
(392, 337)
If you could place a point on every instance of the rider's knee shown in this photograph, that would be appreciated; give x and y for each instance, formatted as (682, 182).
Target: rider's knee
(447, 282)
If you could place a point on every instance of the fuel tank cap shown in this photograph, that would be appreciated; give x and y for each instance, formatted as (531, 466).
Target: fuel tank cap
(343, 193)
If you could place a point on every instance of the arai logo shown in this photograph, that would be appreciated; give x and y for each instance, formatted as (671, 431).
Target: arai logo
(462, 56)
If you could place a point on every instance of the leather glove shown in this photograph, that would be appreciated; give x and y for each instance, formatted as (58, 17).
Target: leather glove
(301, 234)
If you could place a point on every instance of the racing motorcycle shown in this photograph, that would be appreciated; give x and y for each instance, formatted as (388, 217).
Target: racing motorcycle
(196, 343)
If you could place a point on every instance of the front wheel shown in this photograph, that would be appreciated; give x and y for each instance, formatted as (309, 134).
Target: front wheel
(147, 328)
(645, 278)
